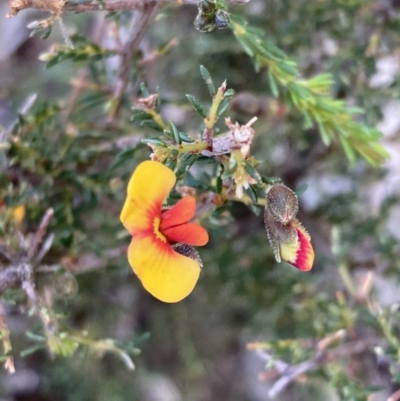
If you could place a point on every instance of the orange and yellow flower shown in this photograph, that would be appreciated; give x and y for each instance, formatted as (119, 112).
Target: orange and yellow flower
(168, 275)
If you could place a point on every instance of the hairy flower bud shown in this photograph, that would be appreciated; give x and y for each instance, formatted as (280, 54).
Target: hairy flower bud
(289, 239)
(281, 203)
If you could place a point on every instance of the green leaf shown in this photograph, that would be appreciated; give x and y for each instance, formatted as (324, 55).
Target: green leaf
(171, 163)
(230, 170)
(154, 142)
(197, 105)
(36, 337)
(152, 125)
(229, 93)
(348, 150)
(92, 100)
(324, 134)
(186, 162)
(270, 180)
(174, 132)
(252, 194)
(208, 80)
(223, 106)
(273, 84)
(42, 31)
(252, 171)
(301, 189)
(218, 185)
(32, 349)
(139, 114)
(246, 46)
(185, 138)
(143, 89)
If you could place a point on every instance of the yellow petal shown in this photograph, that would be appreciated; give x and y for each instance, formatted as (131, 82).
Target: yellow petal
(149, 185)
(298, 251)
(167, 275)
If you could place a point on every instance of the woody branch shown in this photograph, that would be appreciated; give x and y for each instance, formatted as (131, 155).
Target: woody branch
(59, 6)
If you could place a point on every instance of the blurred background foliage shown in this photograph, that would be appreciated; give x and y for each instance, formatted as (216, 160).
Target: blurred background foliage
(79, 326)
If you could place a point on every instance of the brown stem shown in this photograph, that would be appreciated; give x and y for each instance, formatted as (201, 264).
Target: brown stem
(40, 233)
(139, 22)
(290, 373)
(121, 5)
(57, 7)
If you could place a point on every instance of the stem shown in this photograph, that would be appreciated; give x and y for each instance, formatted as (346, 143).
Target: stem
(212, 117)
(139, 23)
(157, 118)
(195, 147)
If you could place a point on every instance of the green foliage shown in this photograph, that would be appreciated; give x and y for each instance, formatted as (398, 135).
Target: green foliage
(311, 97)
(83, 51)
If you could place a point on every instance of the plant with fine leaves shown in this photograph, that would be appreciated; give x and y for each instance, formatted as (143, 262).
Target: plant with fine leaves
(219, 168)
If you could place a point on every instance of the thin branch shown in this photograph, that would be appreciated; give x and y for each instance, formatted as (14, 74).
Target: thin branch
(140, 20)
(57, 7)
(40, 233)
(79, 6)
(119, 5)
(289, 373)
(25, 107)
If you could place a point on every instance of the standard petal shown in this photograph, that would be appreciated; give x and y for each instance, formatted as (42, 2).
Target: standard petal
(180, 213)
(167, 275)
(189, 233)
(299, 252)
(149, 185)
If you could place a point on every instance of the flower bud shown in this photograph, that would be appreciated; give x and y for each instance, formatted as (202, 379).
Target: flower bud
(221, 19)
(290, 241)
(204, 23)
(281, 203)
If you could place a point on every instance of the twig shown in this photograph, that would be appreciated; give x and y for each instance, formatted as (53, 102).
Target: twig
(140, 19)
(289, 373)
(212, 117)
(79, 6)
(40, 233)
(26, 106)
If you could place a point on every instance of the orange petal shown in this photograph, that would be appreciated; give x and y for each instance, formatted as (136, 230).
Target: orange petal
(180, 213)
(189, 233)
(299, 252)
(149, 185)
(164, 273)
